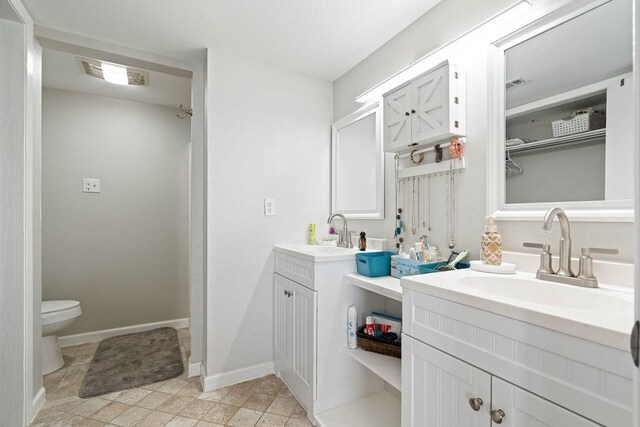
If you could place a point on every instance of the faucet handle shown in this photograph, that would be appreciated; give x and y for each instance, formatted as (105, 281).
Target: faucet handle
(544, 246)
(586, 263)
(588, 251)
(546, 266)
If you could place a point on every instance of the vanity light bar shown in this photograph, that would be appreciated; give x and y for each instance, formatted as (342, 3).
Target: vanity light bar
(507, 20)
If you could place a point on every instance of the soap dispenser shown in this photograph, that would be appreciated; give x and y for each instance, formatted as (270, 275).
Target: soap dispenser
(491, 243)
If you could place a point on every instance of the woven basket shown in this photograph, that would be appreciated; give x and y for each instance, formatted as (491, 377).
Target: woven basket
(378, 345)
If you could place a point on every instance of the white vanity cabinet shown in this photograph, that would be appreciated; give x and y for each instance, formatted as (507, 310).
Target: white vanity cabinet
(525, 409)
(437, 388)
(295, 308)
(536, 376)
(428, 109)
(310, 305)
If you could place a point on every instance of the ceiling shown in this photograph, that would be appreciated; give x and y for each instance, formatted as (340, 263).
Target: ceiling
(593, 47)
(319, 38)
(61, 70)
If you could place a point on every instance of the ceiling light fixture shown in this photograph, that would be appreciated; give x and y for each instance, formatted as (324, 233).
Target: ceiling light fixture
(116, 74)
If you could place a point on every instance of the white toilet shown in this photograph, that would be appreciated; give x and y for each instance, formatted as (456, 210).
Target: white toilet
(56, 315)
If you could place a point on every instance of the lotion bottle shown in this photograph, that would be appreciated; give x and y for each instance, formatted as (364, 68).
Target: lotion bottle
(352, 327)
(491, 242)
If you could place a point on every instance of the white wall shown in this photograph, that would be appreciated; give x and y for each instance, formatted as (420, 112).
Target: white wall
(123, 253)
(426, 34)
(268, 137)
(13, 143)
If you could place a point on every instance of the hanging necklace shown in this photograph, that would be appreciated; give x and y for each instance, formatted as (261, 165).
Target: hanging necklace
(414, 229)
(452, 191)
(429, 202)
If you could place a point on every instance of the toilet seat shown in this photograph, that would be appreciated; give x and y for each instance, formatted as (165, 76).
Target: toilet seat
(58, 311)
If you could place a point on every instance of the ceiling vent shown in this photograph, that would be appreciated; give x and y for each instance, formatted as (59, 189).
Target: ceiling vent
(518, 81)
(93, 68)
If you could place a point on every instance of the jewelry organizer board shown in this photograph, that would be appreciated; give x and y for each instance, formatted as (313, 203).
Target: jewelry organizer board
(426, 193)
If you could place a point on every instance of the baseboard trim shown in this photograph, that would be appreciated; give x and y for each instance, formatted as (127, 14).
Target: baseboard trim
(195, 368)
(108, 333)
(38, 402)
(236, 376)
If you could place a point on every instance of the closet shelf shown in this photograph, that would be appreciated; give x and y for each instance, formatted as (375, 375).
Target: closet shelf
(386, 286)
(377, 410)
(561, 140)
(386, 367)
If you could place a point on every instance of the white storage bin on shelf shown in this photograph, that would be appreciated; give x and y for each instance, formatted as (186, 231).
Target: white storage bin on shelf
(580, 123)
(426, 110)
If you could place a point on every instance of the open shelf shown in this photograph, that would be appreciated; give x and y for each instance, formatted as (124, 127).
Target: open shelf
(386, 286)
(378, 410)
(386, 367)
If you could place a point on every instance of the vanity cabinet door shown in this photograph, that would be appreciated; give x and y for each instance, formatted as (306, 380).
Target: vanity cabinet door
(295, 320)
(283, 326)
(429, 99)
(397, 119)
(440, 390)
(303, 363)
(524, 409)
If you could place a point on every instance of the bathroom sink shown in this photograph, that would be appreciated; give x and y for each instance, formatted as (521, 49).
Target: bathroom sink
(317, 249)
(545, 293)
(317, 253)
(602, 315)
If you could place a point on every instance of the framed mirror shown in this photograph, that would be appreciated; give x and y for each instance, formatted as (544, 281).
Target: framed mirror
(357, 165)
(562, 116)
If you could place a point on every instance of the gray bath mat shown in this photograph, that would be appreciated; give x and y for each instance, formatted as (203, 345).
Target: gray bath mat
(133, 360)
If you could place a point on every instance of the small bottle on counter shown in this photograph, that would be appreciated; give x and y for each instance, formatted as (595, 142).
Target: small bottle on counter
(362, 243)
(311, 238)
(370, 328)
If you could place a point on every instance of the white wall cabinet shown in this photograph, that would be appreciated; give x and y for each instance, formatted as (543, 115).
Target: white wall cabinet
(295, 336)
(397, 119)
(426, 110)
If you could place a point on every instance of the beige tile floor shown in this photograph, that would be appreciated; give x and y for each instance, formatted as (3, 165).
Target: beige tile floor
(179, 402)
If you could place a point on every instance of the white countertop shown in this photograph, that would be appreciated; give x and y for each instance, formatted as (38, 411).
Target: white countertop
(603, 315)
(318, 253)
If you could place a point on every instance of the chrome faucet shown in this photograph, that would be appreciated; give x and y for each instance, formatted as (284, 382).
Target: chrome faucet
(564, 274)
(344, 236)
(565, 239)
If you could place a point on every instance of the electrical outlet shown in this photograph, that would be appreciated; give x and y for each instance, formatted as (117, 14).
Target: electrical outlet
(269, 207)
(90, 185)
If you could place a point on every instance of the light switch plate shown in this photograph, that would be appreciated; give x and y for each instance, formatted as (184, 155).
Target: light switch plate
(269, 207)
(90, 185)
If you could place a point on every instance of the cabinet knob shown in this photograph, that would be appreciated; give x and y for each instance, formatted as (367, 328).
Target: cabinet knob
(413, 111)
(475, 403)
(406, 113)
(497, 415)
